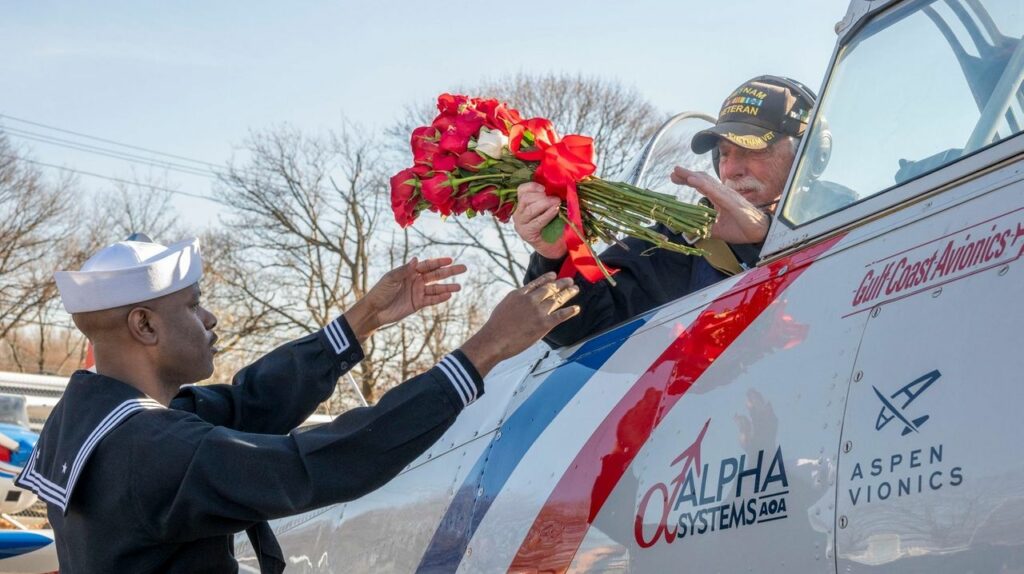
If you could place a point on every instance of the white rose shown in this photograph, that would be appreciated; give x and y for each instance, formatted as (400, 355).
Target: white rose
(491, 142)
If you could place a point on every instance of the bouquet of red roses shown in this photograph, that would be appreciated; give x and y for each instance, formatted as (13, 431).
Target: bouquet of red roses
(475, 153)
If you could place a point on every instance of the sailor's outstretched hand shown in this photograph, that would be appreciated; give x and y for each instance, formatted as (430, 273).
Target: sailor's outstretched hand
(520, 320)
(403, 291)
(411, 287)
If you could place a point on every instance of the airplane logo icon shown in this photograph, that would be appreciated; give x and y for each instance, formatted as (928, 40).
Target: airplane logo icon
(909, 393)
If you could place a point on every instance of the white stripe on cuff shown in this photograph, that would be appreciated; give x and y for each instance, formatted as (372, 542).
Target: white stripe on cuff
(459, 377)
(465, 376)
(336, 335)
(454, 380)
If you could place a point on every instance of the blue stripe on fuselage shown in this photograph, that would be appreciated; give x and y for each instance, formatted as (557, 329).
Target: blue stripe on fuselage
(473, 499)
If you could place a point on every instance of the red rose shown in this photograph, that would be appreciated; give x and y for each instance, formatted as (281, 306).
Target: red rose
(485, 200)
(445, 162)
(539, 130)
(462, 203)
(468, 123)
(504, 213)
(470, 160)
(421, 169)
(442, 123)
(485, 105)
(405, 213)
(423, 133)
(437, 191)
(454, 142)
(403, 197)
(402, 186)
(424, 144)
(426, 153)
(449, 104)
(502, 118)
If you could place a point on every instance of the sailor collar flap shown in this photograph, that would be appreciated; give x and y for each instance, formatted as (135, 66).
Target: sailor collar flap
(92, 406)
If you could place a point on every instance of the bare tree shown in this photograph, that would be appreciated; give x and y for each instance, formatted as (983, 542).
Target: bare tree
(618, 117)
(145, 206)
(247, 326)
(311, 230)
(35, 225)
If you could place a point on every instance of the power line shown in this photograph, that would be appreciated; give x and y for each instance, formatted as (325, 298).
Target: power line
(212, 171)
(46, 139)
(109, 141)
(118, 180)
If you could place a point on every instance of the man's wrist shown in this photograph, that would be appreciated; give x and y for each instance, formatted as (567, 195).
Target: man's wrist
(550, 251)
(481, 350)
(362, 319)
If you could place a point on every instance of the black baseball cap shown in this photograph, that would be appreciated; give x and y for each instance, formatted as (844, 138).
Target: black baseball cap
(757, 113)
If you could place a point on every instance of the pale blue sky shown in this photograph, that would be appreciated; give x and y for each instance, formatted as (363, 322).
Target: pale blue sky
(191, 78)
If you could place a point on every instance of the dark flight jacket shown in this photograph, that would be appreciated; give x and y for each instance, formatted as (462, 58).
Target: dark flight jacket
(647, 278)
(133, 486)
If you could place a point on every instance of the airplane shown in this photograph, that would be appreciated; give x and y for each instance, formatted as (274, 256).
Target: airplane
(893, 258)
(23, 548)
(41, 393)
(745, 427)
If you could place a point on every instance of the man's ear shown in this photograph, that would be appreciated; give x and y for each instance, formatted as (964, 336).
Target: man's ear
(142, 325)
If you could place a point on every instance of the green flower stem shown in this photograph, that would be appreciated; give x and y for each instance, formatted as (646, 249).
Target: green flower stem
(622, 216)
(611, 190)
(656, 240)
(650, 208)
(478, 177)
(678, 222)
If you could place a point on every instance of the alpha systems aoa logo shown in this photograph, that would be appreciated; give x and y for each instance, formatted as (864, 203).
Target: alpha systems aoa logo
(704, 498)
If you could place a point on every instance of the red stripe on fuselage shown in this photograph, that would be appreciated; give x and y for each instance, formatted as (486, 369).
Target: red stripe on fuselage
(566, 516)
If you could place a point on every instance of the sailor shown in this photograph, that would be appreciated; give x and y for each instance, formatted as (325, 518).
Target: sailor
(143, 472)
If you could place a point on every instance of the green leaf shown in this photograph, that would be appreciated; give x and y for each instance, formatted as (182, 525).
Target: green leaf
(553, 230)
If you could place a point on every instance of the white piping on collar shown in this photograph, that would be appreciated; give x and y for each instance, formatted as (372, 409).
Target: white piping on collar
(59, 495)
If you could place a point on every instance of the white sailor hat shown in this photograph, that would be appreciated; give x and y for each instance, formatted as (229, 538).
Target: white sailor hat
(130, 272)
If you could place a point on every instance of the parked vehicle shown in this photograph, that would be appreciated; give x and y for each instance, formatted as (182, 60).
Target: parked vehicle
(22, 548)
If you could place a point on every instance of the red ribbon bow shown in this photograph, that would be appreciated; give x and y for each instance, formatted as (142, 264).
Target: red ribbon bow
(563, 163)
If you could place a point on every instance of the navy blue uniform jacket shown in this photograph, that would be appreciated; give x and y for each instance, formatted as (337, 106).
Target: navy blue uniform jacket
(646, 279)
(132, 486)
